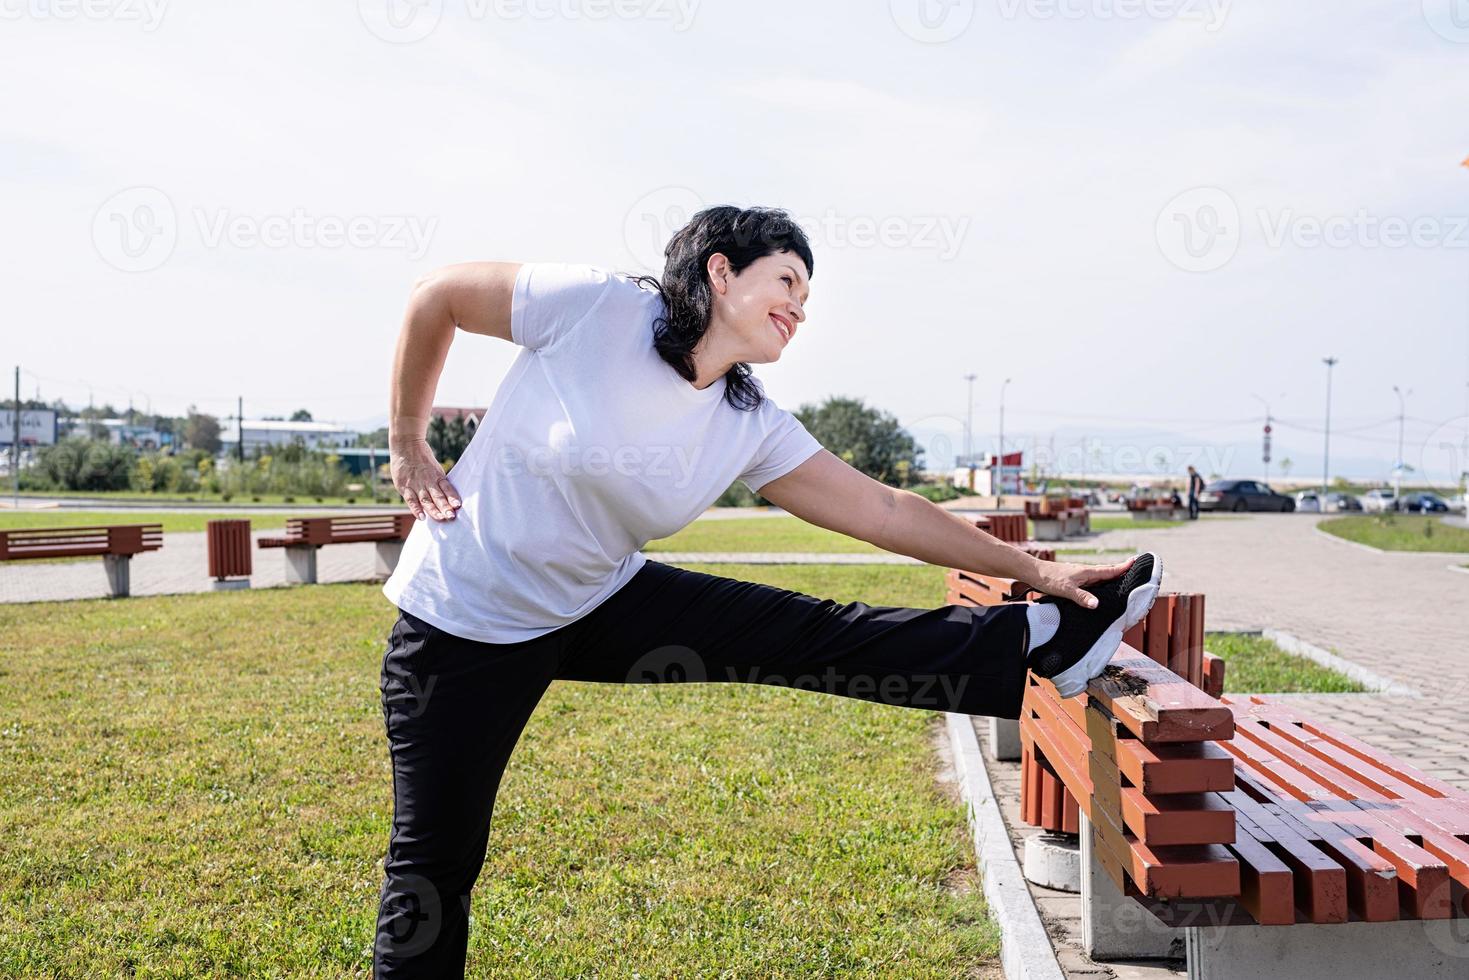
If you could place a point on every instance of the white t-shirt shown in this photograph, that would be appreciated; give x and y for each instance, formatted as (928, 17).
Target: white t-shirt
(592, 447)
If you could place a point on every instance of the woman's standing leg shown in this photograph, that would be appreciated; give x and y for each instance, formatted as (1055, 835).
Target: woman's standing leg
(453, 709)
(670, 624)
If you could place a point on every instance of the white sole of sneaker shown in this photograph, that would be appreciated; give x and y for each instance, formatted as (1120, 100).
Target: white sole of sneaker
(1073, 680)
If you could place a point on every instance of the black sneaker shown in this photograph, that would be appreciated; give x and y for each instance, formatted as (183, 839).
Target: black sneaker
(1086, 638)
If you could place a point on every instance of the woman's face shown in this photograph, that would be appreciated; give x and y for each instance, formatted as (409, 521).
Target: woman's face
(762, 306)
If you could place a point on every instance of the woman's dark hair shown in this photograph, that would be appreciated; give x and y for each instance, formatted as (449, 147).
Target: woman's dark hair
(740, 234)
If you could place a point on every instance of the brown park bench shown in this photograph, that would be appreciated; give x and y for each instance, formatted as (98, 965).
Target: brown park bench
(116, 544)
(1012, 529)
(1154, 509)
(1055, 518)
(306, 535)
(1262, 842)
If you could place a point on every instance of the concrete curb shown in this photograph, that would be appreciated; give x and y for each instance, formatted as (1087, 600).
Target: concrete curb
(1374, 682)
(1025, 947)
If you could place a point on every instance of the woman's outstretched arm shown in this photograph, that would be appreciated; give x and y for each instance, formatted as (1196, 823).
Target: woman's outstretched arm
(473, 296)
(829, 493)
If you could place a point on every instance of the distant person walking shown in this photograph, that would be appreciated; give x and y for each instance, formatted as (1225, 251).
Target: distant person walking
(1195, 487)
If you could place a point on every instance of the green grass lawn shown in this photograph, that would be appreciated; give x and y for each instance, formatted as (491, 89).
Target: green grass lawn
(1399, 532)
(759, 534)
(1255, 665)
(198, 785)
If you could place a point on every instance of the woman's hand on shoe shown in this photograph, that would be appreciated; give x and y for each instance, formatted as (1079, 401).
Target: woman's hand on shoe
(421, 480)
(1068, 580)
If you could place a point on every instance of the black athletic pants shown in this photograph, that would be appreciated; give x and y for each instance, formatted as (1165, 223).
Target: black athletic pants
(454, 708)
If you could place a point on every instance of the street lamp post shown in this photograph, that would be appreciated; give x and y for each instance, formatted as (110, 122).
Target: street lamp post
(1001, 468)
(1330, 363)
(969, 423)
(1397, 483)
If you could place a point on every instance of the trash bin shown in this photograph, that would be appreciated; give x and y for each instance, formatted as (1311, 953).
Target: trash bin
(229, 553)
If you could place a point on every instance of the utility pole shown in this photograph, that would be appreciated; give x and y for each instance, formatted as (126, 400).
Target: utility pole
(1000, 470)
(1397, 483)
(15, 441)
(1269, 427)
(240, 427)
(1330, 363)
(969, 424)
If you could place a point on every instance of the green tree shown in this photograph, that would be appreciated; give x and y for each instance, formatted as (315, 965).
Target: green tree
(376, 439)
(868, 438)
(301, 415)
(448, 439)
(201, 431)
(86, 464)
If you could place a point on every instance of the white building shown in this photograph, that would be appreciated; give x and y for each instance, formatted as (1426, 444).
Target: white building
(264, 433)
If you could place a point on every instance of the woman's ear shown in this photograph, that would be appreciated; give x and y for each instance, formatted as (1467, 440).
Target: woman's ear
(719, 270)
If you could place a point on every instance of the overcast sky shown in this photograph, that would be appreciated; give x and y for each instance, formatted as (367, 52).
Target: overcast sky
(1145, 212)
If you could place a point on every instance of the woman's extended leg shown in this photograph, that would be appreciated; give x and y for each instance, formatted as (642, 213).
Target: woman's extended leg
(454, 709)
(670, 624)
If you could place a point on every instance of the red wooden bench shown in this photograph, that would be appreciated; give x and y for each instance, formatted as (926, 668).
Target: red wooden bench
(1227, 817)
(116, 544)
(1013, 529)
(1055, 518)
(1154, 508)
(306, 535)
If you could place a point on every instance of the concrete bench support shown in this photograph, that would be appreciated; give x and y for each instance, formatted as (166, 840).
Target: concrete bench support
(301, 564)
(1005, 739)
(119, 577)
(1115, 927)
(388, 553)
(1047, 529)
(1432, 949)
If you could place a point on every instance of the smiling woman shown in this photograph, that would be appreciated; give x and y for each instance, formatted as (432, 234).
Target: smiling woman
(630, 409)
(758, 262)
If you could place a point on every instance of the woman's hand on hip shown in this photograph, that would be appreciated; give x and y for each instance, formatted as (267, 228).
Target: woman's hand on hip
(422, 482)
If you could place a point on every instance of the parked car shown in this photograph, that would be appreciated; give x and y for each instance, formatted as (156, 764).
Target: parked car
(1425, 503)
(1342, 502)
(1309, 502)
(1243, 495)
(1379, 500)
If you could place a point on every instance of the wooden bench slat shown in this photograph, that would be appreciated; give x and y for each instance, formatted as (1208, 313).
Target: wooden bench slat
(1169, 710)
(1260, 707)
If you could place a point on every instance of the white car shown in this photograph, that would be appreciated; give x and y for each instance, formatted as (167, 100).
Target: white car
(1379, 500)
(1308, 502)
